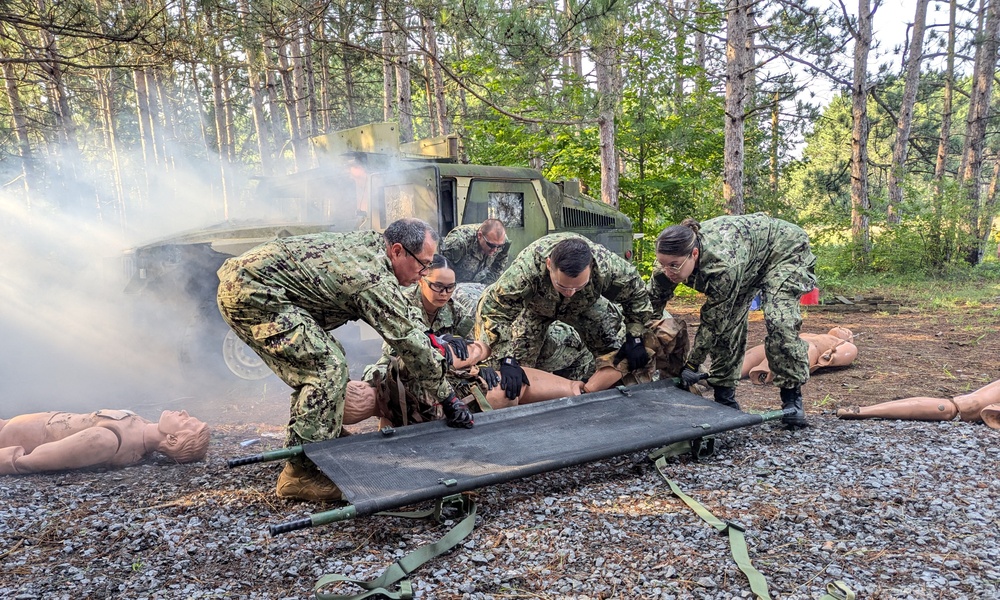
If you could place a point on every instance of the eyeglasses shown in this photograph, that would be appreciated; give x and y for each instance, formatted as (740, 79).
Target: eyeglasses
(440, 287)
(676, 268)
(566, 288)
(423, 266)
(490, 244)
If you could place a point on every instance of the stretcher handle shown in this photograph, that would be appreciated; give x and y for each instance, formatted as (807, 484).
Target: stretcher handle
(323, 518)
(280, 454)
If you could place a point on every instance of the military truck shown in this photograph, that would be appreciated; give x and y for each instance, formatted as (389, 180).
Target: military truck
(367, 179)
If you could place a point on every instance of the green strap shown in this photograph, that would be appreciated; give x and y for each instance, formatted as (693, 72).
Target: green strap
(399, 570)
(737, 541)
(838, 590)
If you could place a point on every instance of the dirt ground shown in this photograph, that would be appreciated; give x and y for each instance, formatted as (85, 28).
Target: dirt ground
(196, 531)
(910, 353)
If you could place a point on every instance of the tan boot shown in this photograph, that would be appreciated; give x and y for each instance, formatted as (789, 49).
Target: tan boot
(303, 483)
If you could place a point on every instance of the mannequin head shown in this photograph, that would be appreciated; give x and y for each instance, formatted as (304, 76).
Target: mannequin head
(185, 438)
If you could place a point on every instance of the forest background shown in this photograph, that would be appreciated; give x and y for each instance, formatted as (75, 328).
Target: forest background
(130, 119)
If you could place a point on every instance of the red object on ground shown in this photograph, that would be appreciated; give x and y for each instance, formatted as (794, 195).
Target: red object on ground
(810, 297)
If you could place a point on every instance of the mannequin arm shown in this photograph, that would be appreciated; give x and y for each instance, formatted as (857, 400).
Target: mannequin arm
(478, 352)
(88, 448)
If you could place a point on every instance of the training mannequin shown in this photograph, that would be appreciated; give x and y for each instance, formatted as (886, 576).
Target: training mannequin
(361, 402)
(980, 405)
(833, 349)
(56, 441)
(666, 340)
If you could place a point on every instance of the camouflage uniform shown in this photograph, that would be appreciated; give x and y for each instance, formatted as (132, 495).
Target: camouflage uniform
(387, 373)
(515, 313)
(563, 352)
(471, 264)
(739, 256)
(283, 297)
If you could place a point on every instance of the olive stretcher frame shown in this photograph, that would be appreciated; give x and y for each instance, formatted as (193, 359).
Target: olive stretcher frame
(386, 470)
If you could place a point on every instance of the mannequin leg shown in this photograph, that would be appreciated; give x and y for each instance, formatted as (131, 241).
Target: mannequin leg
(916, 409)
(970, 405)
(543, 386)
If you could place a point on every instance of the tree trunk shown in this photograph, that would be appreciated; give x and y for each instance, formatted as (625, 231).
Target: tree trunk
(428, 92)
(912, 81)
(775, 141)
(936, 242)
(404, 94)
(975, 132)
(262, 127)
(679, 46)
(737, 38)
(288, 87)
(311, 105)
(145, 123)
(323, 96)
(20, 119)
(607, 68)
(273, 100)
(169, 129)
(156, 129)
(302, 100)
(440, 102)
(388, 69)
(860, 203)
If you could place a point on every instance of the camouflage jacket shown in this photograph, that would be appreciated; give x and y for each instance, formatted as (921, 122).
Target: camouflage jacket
(461, 248)
(737, 256)
(337, 277)
(526, 286)
(451, 318)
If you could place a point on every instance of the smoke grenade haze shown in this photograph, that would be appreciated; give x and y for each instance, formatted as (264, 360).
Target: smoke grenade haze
(73, 339)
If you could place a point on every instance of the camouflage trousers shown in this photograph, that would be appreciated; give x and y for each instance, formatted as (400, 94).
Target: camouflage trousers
(305, 356)
(568, 347)
(786, 352)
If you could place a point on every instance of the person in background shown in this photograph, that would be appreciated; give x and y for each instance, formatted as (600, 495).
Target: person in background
(283, 297)
(562, 277)
(478, 253)
(730, 259)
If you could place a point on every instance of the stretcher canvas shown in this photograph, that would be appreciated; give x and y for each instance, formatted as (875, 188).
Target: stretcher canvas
(431, 460)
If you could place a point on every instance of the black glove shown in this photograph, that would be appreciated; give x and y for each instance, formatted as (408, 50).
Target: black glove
(490, 377)
(691, 376)
(634, 351)
(441, 346)
(512, 377)
(459, 347)
(457, 413)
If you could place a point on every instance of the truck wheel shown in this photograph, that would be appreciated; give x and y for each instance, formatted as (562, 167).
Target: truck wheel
(241, 360)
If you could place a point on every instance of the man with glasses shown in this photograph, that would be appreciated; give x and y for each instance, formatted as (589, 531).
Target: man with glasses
(563, 277)
(283, 297)
(478, 253)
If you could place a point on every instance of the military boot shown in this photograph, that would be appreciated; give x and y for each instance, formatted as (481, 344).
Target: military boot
(791, 398)
(306, 483)
(726, 396)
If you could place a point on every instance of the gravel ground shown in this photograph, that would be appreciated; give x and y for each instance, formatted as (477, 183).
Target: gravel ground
(895, 509)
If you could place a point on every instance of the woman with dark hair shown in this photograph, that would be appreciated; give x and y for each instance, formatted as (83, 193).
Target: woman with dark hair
(731, 259)
(451, 324)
